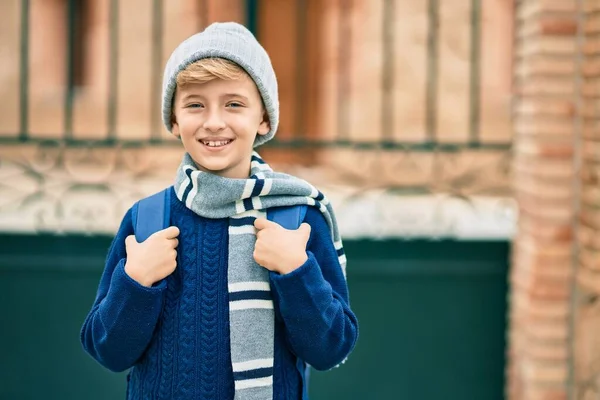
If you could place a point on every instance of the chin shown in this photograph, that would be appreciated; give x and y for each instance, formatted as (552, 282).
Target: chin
(213, 167)
(217, 170)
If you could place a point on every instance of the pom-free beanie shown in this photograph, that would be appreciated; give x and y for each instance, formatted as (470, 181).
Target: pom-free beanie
(234, 42)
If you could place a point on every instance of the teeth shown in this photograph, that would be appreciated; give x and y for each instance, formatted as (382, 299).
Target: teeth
(216, 143)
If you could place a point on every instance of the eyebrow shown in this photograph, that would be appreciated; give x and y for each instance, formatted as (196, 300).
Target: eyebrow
(191, 96)
(236, 95)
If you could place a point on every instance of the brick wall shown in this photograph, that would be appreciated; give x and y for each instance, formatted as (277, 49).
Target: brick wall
(555, 116)
(543, 175)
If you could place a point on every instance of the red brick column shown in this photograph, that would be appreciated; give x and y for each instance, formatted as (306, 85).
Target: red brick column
(545, 64)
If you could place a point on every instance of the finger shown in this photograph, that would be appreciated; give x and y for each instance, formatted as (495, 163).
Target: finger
(170, 233)
(130, 241)
(174, 243)
(262, 223)
(257, 257)
(305, 229)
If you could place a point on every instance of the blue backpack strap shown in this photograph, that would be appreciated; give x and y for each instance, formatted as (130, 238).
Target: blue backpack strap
(288, 217)
(291, 218)
(153, 214)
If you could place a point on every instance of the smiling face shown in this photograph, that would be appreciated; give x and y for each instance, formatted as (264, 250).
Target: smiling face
(217, 115)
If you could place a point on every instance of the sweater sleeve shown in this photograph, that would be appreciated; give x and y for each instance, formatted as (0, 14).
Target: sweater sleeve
(314, 304)
(120, 324)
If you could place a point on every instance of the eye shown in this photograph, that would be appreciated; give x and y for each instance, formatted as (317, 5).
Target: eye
(194, 105)
(234, 104)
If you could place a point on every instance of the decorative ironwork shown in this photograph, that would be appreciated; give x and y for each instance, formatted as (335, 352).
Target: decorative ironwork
(88, 190)
(83, 189)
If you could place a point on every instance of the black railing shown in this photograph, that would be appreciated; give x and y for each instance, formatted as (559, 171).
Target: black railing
(299, 137)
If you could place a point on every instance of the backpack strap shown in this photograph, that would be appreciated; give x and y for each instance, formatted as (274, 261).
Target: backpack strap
(291, 218)
(152, 214)
(288, 217)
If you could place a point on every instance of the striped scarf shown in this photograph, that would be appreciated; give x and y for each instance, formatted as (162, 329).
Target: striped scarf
(251, 315)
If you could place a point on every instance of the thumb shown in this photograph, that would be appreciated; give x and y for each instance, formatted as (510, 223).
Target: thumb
(169, 233)
(305, 230)
(263, 223)
(130, 241)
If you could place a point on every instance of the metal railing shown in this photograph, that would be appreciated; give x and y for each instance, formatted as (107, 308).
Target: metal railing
(299, 137)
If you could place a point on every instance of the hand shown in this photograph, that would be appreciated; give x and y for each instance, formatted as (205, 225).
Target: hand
(153, 259)
(279, 249)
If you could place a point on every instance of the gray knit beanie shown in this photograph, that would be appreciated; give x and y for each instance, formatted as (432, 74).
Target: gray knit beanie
(231, 41)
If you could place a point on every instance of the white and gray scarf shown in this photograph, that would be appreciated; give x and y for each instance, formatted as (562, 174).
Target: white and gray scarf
(251, 315)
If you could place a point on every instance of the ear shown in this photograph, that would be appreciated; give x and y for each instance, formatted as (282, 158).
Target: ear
(264, 126)
(175, 130)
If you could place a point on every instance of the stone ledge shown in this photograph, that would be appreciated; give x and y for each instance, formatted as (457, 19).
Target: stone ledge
(89, 190)
(370, 215)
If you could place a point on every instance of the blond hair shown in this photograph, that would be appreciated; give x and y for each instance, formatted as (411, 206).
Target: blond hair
(208, 69)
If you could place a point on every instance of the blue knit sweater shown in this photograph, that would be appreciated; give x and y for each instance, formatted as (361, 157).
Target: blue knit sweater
(174, 336)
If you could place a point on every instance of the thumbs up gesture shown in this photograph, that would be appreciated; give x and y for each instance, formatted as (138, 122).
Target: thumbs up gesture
(279, 249)
(153, 259)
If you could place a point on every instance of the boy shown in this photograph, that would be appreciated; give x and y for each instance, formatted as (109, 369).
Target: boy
(224, 304)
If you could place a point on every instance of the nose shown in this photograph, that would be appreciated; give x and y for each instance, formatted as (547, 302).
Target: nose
(214, 121)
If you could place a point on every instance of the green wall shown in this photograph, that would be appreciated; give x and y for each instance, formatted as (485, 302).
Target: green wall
(431, 314)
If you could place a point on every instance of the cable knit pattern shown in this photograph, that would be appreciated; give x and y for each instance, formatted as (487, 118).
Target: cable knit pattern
(207, 369)
(187, 335)
(137, 379)
(142, 374)
(175, 336)
(152, 366)
(168, 325)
